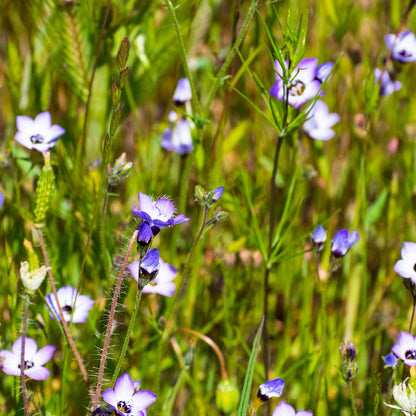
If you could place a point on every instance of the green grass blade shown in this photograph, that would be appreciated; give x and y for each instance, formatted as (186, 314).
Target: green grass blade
(245, 395)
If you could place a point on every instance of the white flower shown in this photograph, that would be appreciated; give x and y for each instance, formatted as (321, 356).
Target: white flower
(318, 127)
(405, 397)
(32, 280)
(406, 266)
(37, 134)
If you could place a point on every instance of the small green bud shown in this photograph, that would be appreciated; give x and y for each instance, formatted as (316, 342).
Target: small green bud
(44, 194)
(124, 74)
(115, 95)
(200, 195)
(227, 396)
(120, 170)
(123, 53)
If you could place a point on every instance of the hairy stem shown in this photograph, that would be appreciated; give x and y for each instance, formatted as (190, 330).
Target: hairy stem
(111, 321)
(64, 324)
(26, 302)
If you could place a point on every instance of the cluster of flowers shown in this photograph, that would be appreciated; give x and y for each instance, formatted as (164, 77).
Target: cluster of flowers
(304, 84)
(178, 137)
(402, 50)
(341, 243)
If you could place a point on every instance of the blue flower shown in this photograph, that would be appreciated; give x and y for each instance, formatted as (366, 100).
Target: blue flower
(323, 71)
(390, 360)
(284, 409)
(33, 360)
(217, 193)
(145, 235)
(403, 47)
(302, 84)
(75, 311)
(1, 199)
(272, 388)
(387, 86)
(162, 284)
(37, 134)
(150, 265)
(342, 242)
(318, 126)
(126, 399)
(182, 92)
(405, 348)
(178, 138)
(157, 214)
(407, 265)
(319, 238)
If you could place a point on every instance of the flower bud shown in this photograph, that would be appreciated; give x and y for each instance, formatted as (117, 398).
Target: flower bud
(120, 170)
(227, 396)
(319, 238)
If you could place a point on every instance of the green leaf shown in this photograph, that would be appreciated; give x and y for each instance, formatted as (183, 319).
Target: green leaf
(375, 211)
(248, 381)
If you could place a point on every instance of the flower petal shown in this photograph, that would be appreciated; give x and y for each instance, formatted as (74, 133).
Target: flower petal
(38, 373)
(43, 355)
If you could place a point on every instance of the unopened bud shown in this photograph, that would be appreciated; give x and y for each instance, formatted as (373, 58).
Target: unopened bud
(227, 396)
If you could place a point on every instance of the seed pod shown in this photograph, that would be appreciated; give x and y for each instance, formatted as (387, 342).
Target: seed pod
(227, 396)
(44, 194)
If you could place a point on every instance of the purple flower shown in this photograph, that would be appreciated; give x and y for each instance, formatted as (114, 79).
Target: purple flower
(37, 134)
(387, 86)
(75, 311)
(342, 242)
(157, 214)
(390, 360)
(318, 126)
(323, 71)
(217, 193)
(405, 348)
(407, 265)
(302, 85)
(272, 388)
(319, 237)
(162, 283)
(145, 235)
(403, 46)
(1, 199)
(149, 267)
(284, 409)
(34, 360)
(178, 139)
(125, 398)
(183, 92)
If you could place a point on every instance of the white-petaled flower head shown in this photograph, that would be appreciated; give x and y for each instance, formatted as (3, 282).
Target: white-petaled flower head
(32, 279)
(405, 398)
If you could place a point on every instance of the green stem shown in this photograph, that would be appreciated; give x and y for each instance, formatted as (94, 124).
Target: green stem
(168, 405)
(178, 291)
(195, 101)
(130, 328)
(354, 408)
(26, 301)
(226, 64)
(183, 191)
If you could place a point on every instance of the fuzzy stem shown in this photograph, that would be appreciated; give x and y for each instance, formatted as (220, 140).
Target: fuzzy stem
(111, 321)
(212, 344)
(130, 328)
(64, 324)
(413, 313)
(26, 302)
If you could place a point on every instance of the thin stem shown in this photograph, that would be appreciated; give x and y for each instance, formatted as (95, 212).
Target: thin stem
(218, 79)
(195, 101)
(64, 324)
(111, 321)
(353, 406)
(413, 313)
(270, 244)
(26, 302)
(81, 142)
(211, 343)
(130, 328)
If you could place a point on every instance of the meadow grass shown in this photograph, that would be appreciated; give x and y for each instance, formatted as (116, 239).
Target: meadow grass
(250, 289)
